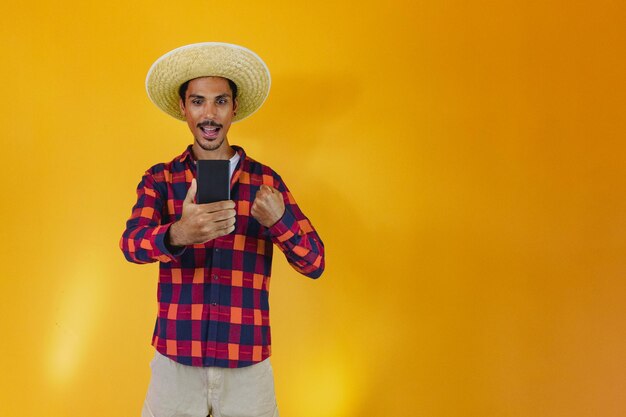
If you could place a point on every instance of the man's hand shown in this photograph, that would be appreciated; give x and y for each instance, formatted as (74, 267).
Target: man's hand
(200, 223)
(268, 206)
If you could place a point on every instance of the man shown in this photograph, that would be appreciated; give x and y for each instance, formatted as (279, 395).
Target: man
(212, 334)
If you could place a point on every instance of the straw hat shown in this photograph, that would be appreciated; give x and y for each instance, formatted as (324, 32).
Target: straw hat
(242, 66)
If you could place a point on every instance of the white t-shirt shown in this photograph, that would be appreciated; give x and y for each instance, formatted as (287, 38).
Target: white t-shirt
(233, 163)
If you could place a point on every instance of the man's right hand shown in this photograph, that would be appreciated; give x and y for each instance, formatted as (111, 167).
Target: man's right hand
(200, 223)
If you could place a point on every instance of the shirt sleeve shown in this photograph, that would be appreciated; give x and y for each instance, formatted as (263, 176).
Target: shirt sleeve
(144, 239)
(297, 239)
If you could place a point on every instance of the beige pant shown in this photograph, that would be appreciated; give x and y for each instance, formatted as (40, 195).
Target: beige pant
(187, 391)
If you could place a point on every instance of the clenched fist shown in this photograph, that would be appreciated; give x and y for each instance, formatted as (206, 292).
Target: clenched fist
(268, 206)
(200, 223)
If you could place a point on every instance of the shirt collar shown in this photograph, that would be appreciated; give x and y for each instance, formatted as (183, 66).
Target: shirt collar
(188, 154)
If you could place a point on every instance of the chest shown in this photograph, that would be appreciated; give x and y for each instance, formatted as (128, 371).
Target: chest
(242, 193)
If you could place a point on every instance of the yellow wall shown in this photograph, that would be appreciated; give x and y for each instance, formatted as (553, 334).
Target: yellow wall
(463, 161)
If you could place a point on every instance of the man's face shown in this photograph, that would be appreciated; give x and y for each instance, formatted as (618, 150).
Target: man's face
(209, 109)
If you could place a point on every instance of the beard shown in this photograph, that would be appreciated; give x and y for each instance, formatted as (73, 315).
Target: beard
(210, 145)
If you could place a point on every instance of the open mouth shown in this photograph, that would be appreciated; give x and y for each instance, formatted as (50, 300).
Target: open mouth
(210, 131)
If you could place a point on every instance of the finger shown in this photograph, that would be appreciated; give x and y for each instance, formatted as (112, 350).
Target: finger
(227, 230)
(215, 227)
(256, 210)
(267, 198)
(217, 206)
(268, 189)
(260, 202)
(272, 189)
(228, 222)
(221, 215)
(191, 192)
(264, 192)
(223, 231)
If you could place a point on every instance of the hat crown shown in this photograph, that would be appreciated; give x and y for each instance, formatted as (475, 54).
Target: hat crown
(209, 59)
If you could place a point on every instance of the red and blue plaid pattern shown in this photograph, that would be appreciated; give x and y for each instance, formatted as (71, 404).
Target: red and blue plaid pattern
(214, 297)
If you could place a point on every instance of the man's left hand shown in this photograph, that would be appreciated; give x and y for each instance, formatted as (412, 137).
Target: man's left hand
(268, 206)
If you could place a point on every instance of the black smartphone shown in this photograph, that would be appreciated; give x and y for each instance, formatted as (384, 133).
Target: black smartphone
(213, 181)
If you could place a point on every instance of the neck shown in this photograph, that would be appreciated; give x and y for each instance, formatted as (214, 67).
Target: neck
(225, 151)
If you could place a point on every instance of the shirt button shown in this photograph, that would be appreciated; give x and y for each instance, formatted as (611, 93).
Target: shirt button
(215, 277)
(217, 250)
(213, 304)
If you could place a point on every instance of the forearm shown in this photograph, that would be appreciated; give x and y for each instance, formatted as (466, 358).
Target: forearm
(144, 238)
(300, 243)
(146, 244)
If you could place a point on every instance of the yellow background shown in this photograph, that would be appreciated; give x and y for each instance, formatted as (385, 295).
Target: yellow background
(464, 162)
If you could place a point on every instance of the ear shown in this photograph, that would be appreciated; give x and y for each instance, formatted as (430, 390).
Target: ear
(181, 103)
(235, 105)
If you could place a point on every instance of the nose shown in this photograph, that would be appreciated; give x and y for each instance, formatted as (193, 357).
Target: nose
(210, 111)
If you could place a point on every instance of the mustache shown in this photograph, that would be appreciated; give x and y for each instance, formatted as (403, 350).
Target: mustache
(209, 123)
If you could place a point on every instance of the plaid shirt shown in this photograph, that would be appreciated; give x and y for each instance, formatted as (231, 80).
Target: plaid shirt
(214, 297)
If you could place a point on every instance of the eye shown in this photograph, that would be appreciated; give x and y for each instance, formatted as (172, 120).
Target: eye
(222, 101)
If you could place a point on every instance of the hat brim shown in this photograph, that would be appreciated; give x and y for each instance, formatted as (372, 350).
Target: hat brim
(209, 59)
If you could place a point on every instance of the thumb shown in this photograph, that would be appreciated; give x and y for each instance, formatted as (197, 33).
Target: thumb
(267, 188)
(191, 192)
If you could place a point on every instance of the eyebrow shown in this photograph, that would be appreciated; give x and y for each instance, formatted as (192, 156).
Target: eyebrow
(225, 95)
